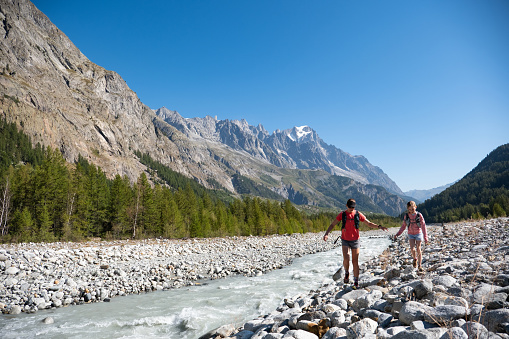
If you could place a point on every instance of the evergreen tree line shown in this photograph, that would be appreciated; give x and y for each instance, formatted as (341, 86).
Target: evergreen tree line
(43, 198)
(482, 193)
(55, 201)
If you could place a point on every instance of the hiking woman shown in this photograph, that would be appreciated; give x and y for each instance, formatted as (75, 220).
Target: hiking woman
(350, 237)
(416, 233)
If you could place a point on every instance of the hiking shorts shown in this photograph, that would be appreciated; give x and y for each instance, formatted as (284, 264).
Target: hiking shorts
(351, 244)
(418, 237)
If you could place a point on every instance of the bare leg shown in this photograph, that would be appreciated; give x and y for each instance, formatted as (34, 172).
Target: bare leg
(346, 259)
(412, 248)
(419, 252)
(355, 261)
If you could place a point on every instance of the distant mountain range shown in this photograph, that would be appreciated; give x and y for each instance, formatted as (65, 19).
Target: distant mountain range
(296, 148)
(63, 100)
(422, 195)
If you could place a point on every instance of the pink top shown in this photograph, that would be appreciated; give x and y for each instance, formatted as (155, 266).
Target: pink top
(413, 228)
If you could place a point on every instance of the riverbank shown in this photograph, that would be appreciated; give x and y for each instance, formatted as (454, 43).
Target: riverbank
(462, 293)
(36, 276)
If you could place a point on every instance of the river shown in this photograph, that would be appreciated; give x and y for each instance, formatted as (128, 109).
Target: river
(189, 312)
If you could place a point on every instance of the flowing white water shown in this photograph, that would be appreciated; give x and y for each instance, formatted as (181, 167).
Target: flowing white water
(187, 312)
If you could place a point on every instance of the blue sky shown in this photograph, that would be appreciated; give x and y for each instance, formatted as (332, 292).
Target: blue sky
(420, 88)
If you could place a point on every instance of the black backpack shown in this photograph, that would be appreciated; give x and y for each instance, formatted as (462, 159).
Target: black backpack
(417, 219)
(356, 219)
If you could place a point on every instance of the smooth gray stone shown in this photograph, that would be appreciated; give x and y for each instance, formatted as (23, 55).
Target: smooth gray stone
(48, 320)
(475, 330)
(444, 280)
(384, 320)
(454, 333)
(372, 314)
(337, 318)
(502, 280)
(259, 335)
(421, 325)
(392, 273)
(442, 315)
(334, 333)
(414, 334)
(273, 336)
(483, 292)
(366, 300)
(413, 311)
(422, 288)
(225, 330)
(253, 325)
(16, 309)
(380, 305)
(354, 294)
(12, 270)
(300, 334)
(361, 329)
(243, 335)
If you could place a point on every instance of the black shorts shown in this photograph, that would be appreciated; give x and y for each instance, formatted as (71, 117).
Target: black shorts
(351, 244)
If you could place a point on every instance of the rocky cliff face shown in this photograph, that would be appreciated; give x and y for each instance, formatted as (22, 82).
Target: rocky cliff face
(63, 100)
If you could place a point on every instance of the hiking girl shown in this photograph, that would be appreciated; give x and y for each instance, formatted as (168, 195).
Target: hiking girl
(416, 233)
(350, 237)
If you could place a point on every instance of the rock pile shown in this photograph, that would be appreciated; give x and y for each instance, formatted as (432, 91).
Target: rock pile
(463, 293)
(42, 276)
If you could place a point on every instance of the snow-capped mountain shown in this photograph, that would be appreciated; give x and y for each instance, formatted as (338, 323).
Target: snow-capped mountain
(295, 148)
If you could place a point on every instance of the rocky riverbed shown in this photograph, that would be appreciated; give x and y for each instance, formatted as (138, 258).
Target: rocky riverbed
(42, 276)
(462, 293)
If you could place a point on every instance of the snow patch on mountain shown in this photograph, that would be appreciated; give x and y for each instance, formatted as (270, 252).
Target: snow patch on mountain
(296, 134)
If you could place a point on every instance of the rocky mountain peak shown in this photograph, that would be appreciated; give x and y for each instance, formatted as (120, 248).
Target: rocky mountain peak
(300, 134)
(295, 148)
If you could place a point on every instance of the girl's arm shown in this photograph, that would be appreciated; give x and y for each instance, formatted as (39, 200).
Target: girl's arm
(424, 231)
(401, 229)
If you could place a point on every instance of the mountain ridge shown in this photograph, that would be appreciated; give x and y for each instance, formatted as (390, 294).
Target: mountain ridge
(298, 147)
(422, 195)
(483, 192)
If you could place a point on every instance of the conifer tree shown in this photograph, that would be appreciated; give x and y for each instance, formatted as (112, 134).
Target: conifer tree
(45, 234)
(120, 197)
(23, 225)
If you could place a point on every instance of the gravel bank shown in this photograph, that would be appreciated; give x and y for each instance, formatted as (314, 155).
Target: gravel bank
(463, 293)
(37, 276)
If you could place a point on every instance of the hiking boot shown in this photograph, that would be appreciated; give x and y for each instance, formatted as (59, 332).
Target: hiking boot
(346, 280)
(414, 263)
(420, 269)
(356, 284)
